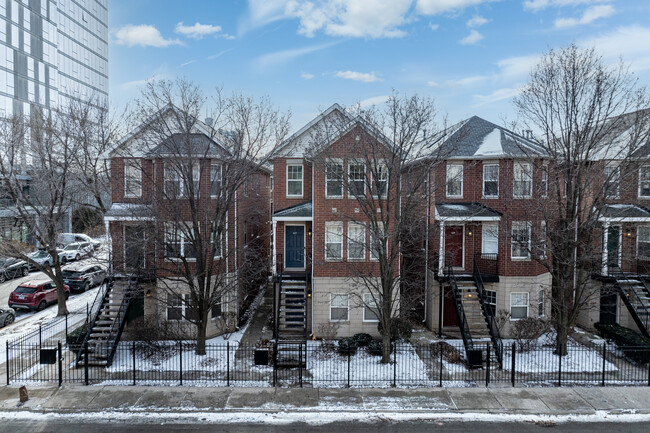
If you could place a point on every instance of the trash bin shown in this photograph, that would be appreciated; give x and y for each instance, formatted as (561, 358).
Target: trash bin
(475, 358)
(261, 357)
(48, 355)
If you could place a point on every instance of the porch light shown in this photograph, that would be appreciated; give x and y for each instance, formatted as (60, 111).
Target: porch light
(469, 233)
(629, 233)
(309, 232)
(148, 293)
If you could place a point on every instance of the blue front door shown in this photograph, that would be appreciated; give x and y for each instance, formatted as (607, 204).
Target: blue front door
(295, 246)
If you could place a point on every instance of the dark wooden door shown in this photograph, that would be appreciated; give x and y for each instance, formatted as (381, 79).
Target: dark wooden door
(608, 301)
(454, 246)
(295, 246)
(449, 317)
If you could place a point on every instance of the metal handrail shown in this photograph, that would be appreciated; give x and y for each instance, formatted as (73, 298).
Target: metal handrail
(495, 335)
(460, 311)
(120, 320)
(619, 275)
(106, 290)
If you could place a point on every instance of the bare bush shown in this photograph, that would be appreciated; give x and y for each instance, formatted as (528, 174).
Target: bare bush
(449, 352)
(526, 332)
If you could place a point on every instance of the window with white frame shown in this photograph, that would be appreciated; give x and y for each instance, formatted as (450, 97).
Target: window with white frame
(334, 179)
(454, 180)
(544, 181)
(612, 181)
(217, 308)
(132, 178)
(376, 241)
(333, 240)
(490, 238)
(541, 308)
(216, 240)
(173, 181)
(542, 239)
(518, 305)
(196, 180)
(644, 181)
(356, 179)
(294, 180)
(356, 241)
(643, 241)
(523, 180)
(339, 307)
(491, 180)
(216, 179)
(370, 308)
(380, 182)
(491, 302)
(178, 242)
(180, 307)
(520, 242)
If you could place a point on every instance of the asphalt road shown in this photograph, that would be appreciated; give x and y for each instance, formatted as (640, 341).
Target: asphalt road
(56, 424)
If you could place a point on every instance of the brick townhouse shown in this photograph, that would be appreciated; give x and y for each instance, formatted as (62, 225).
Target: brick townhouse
(321, 238)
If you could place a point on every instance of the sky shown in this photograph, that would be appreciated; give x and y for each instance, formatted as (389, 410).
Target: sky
(471, 56)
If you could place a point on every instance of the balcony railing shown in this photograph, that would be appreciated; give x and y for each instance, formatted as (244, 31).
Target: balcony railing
(487, 264)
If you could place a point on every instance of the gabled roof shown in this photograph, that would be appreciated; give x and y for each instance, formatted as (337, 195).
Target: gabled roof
(299, 211)
(477, 138)
(465, 212)
(197, 145)
(624, 213)
(129, 211)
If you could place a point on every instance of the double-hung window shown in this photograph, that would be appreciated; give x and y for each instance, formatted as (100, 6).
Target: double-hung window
(132, 178)
(612, 181)
(180, 307)
(490, 238)
(644, 181)
(370, 308)
(523, 180)
(179, 242)
(491, 302)
(376, 242)
(380, 182)
(491, 180)
(356, 179)
(541, 308)
(295, 180)
(544, 185)
(217, 308)
(334, 240)
(356, 242)
(339, 307)
(173, 181)
(518, 305)
(643, 241)
(334, 180)
(216, 241)
(520, 243)
(196, 180)
(542, 239)
(215, 180)
(454, 180)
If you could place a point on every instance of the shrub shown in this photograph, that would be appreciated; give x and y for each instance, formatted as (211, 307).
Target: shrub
(527, 331)
(376, 348)
(362, 339)
(634, 345)
(400, 329)
(449, 352)
(75, 339)
(347, 346)
(86, 218)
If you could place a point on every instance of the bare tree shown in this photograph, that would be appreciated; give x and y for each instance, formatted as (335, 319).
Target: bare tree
(386, 176)
(196, 220)
(580, 106)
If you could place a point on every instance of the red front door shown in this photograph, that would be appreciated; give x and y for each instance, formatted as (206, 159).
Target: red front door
(449, 317)
(454, 246)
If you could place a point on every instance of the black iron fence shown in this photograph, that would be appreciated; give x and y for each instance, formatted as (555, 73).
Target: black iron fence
(322, 366)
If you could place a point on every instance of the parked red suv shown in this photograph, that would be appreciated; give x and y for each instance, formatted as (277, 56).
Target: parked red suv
(35, 295)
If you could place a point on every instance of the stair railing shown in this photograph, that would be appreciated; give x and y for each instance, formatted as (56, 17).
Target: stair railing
(644, 274)
(95, 311)
(460, 310)
(120, 319)
(495, 335)
(634, 308)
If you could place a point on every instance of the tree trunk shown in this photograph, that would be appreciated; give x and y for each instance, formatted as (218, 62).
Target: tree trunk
(60, 294)
(385, 354)
(201, 327)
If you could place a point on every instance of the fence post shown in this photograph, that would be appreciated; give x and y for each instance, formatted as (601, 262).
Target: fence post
(487, 371)
(227, 363)
(40, 336)
(394, 364)
(66, 327)
(180, 361)
(275, 362)
(60, 363)
(512, 366)
(86, 363)
(7, 364)
(559, 373)
(300, 364)
(348, 369)
(440, 348)
(133, 354)
(602, 381)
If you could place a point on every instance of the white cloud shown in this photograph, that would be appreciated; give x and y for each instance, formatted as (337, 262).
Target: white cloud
(630, 43)
(219, 54)
(143, 35)
(432, 84)
(434, 27)
(261, 13)
(477, 21)
(517, 67)
(358, 76)
(350, 18)
(497, 95)
(375, 100)
(182, 65)
(473, 37)
(538, 5)
(469, 81)
(275, 58)
(306, 75)
(198, 30)
(434, 7)
(589, 16)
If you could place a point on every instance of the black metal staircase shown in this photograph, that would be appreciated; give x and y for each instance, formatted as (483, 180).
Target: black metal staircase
(460, 311)
(488, 314)
(635, 295)
(290, 316)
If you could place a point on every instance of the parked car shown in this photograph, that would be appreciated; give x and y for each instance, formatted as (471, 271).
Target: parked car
(12, 268)
(35, 295)
(7, 316)
(41, 257)
(64, 239)
(75, 251)
(82, 277)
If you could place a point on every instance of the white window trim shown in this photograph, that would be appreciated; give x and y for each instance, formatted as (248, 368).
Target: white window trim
(372, 257)
(183, 307)
(518, 306)
(365, 303)
(128, 165)
(514, 179)
(639, 185)
(223, 311)
(617, 193)
(214, 164)
(497, 181)
(638, 229)
(351, 241)
(483, 237)
(541, 301)
(220, 242)
(347, 296)
(334, 224)
(351, 163)
(544, 181)
(181, 233)
(543, 236)
(378, 165)
(462, 175)
(302, 180)
(520, 258)
(342, 180)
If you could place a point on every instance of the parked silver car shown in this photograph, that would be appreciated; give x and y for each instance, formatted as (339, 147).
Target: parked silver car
(12, 268)
(40, 257)
(75, 251)
(63, 239)
(82, 277)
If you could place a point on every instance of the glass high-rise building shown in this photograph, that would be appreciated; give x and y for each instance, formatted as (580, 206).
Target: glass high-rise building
(52, 50)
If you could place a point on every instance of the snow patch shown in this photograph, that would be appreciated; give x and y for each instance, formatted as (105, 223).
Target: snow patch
(491, 144)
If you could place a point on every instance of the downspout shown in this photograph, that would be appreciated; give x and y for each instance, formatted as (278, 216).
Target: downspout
(426, 248)
(236, 260)
(312, 248)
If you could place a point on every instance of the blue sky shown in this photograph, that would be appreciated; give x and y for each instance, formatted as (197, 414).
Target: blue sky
(471, 56)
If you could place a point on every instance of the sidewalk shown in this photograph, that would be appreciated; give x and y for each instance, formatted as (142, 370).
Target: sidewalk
(585, 401)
